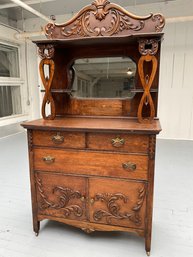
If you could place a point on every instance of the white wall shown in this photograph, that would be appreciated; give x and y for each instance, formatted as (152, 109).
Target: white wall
(176, 80)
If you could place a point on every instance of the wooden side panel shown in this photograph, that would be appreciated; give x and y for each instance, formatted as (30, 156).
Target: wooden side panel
(61, 196)
(59, 139)
(91, 163)
(117, 202)
(118, 142)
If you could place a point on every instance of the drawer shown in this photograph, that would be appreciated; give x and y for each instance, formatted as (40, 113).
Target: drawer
(118, 142)
(91, 163)
(59, 139)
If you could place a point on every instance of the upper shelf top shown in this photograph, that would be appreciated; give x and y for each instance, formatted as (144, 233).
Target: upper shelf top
(98, 40)
(103, 19)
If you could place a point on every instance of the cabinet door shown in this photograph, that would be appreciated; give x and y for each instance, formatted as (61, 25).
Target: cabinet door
(61, 196)
(117, 202)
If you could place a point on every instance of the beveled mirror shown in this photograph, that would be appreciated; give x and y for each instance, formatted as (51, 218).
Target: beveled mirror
(107, 77)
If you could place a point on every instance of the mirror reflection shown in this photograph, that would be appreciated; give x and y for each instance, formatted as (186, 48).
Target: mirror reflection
(108, 77)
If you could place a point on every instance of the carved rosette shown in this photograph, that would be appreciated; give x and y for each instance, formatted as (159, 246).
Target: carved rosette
(102, 18)
(114, 209)
(64, 195)
(46, 51)
(148, 46)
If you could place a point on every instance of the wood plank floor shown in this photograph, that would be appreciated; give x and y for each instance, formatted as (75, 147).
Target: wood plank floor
(173, 212)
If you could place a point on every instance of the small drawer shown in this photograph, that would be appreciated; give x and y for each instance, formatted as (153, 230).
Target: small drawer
(91, 163)
(59, 139)
(118, 142)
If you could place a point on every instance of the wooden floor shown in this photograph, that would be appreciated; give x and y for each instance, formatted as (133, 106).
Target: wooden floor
(173, 212)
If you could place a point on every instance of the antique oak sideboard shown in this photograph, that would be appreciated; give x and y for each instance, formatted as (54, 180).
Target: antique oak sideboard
(92, 156)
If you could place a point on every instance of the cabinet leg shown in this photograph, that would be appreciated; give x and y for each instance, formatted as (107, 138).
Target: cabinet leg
(36, 227)
(148, 244)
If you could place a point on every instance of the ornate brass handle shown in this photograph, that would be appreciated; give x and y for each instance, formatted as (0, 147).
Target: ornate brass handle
(129, 166)
(57, 139)
(48, 159)
(117, 142)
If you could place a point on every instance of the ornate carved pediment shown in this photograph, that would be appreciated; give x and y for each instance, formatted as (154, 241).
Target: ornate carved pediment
(103, 19)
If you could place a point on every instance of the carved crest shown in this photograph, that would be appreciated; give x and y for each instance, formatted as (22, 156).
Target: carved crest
(102, 18)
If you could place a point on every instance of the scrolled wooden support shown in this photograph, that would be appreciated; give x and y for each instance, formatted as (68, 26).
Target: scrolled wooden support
(147, 81)
(47, 82)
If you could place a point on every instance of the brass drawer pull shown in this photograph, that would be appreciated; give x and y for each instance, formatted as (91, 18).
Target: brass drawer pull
(48, 159)
(57, 139)
(129, 166)
(117, 142)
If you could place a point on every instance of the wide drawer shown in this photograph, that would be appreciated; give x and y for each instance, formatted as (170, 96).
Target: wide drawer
(118, 142)
(59, 139)
(91, 163)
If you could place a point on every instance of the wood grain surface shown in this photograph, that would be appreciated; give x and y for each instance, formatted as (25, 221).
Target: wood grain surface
(130, 143)
(91, 163)
(99, 124)
(69, 140)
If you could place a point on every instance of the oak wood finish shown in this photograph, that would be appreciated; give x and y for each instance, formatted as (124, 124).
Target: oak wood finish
(118, 142)
(36, 222)
(47, 82)
(117, 22)
(120, 203)
(92, 161)
(61, 196)
(59, 139)
(99, 124)
(91, 227)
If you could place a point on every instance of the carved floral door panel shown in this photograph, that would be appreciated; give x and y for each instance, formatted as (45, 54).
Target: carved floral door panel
(117, 202)
(61, 196)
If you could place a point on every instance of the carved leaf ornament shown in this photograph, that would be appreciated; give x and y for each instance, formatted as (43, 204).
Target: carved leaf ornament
(114, 209)
(64, 195)
(103, 19)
